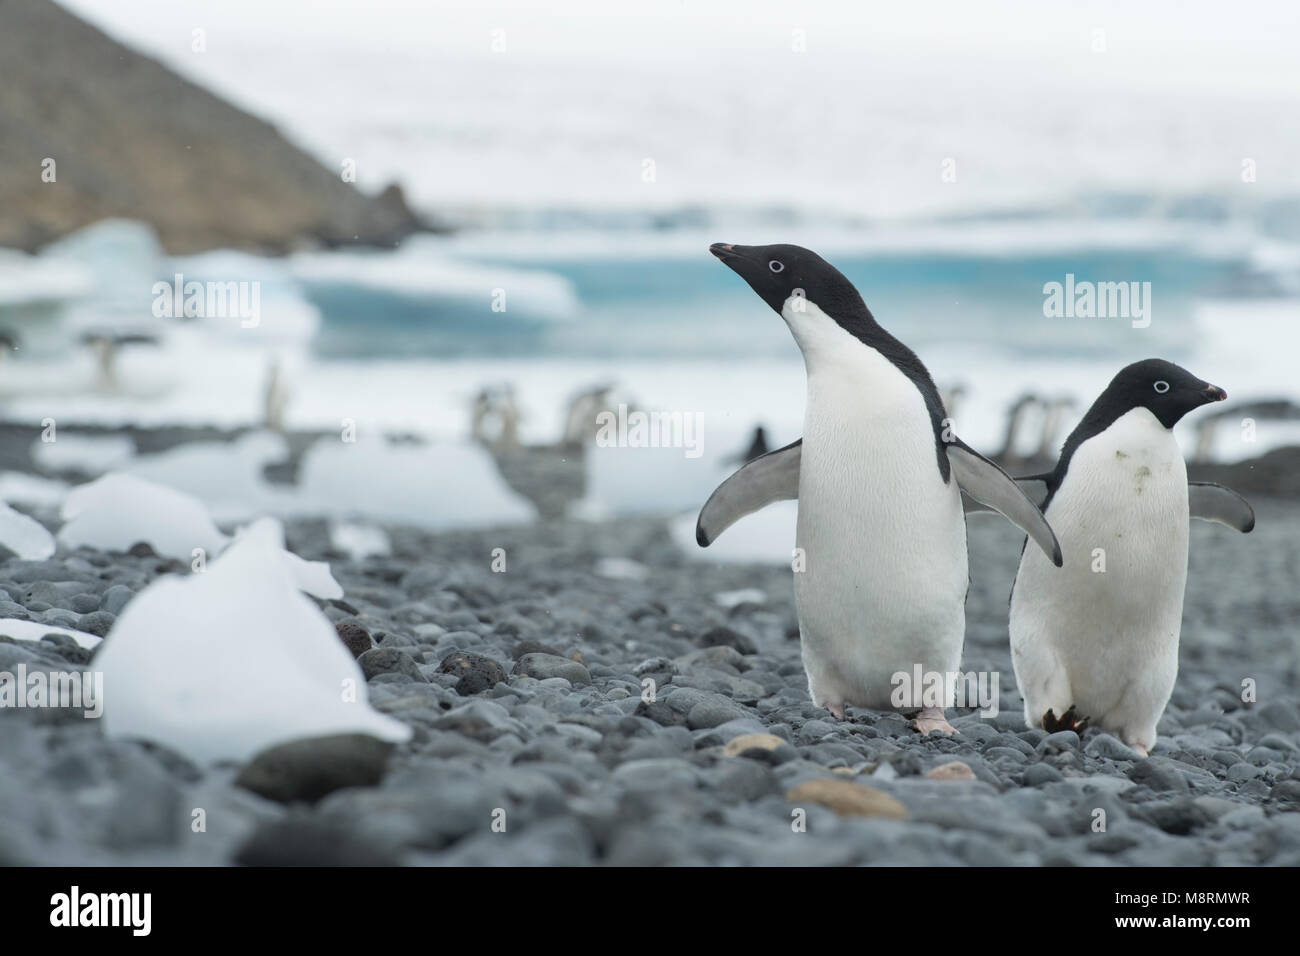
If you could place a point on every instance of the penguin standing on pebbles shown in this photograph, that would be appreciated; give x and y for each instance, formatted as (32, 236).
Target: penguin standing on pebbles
(881, 565)
(1096, 641)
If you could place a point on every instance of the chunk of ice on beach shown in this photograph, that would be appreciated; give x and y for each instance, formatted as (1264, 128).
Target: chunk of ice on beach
(360, 541)
(35, 630)
(730, 599)
(436, 487)
(227, 477)
(116, 511)
(32, 490)
(88, 454)
(224, 664)
(24, 536)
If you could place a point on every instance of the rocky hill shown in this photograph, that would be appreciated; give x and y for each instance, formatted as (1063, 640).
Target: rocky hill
(130, 138)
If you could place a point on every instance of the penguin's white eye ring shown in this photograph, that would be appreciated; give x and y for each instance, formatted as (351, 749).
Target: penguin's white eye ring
(1162, 387)
(776, 265)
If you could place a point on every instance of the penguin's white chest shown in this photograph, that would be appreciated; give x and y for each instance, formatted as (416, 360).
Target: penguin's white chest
(1103, 629)
(881, 536)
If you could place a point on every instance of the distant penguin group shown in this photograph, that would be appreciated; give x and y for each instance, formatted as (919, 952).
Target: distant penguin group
(880, 550)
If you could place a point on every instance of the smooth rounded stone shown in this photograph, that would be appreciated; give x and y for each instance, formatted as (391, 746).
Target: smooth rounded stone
(1263, 756)
(66, 648)
(475, 672)
(847, 798)
(524, 648)
(302, 841)
(84, 603)
(1009, 719)
(1110, 747)
(1041, 774)
(1059, 742)
(952, 770)
(888, 725)
(1111, 843)
(8, 609)
(832, 754)
(1159, 773)
(1178, 816)
(1240, 772)
(60, 617)
(743, 780)
(654, 666)
(306, 770)
(1278, 742)
(723, 636)
(390, 660)
(975, 730)
(1009, 754)
(354, 637)
(578, 733)
(1277, 715)
(115, 598)
(458, 620)
(742, 744)
(1243, 818)
(1285, 793)
(98, 623)
(660, 712)
(52, 593)
(545, 666)
(659, 773)
(713, 711)
(482, 720)
(814, 730)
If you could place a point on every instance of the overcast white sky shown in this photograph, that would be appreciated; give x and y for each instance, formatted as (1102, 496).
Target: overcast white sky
(1156, 42)
(1184, 90)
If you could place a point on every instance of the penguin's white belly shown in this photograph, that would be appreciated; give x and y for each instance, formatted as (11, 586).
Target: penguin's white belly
(1101, 632)
(883, 537)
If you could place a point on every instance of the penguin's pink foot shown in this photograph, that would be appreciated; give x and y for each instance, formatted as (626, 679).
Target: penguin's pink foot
(1139, 750)
(932, 718)
(837, 710)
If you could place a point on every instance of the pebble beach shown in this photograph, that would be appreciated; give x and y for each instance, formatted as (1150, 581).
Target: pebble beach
(601, 697)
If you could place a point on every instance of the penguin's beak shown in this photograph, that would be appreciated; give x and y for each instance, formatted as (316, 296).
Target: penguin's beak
(1215, 394)
(723, 250)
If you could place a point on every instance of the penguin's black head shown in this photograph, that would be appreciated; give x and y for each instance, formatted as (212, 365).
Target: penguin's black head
(1167, 390)
(781, 271)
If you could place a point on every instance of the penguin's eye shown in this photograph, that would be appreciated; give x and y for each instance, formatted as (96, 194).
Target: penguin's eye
(1162, 387)
(776, 266)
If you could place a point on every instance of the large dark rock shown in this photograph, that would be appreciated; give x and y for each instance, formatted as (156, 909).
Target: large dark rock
(306, 770)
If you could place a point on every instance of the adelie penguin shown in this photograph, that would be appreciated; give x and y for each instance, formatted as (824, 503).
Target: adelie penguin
(1096, 642)
(881, 530)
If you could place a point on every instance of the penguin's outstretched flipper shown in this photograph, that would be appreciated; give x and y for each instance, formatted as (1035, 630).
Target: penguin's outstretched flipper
(1070, 720)
(1211, 502)
(768, 478)
(990, 485)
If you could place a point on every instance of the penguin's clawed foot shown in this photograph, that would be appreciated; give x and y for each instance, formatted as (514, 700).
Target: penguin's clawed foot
(837, 710)
(1070, 720)
(932, 718)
